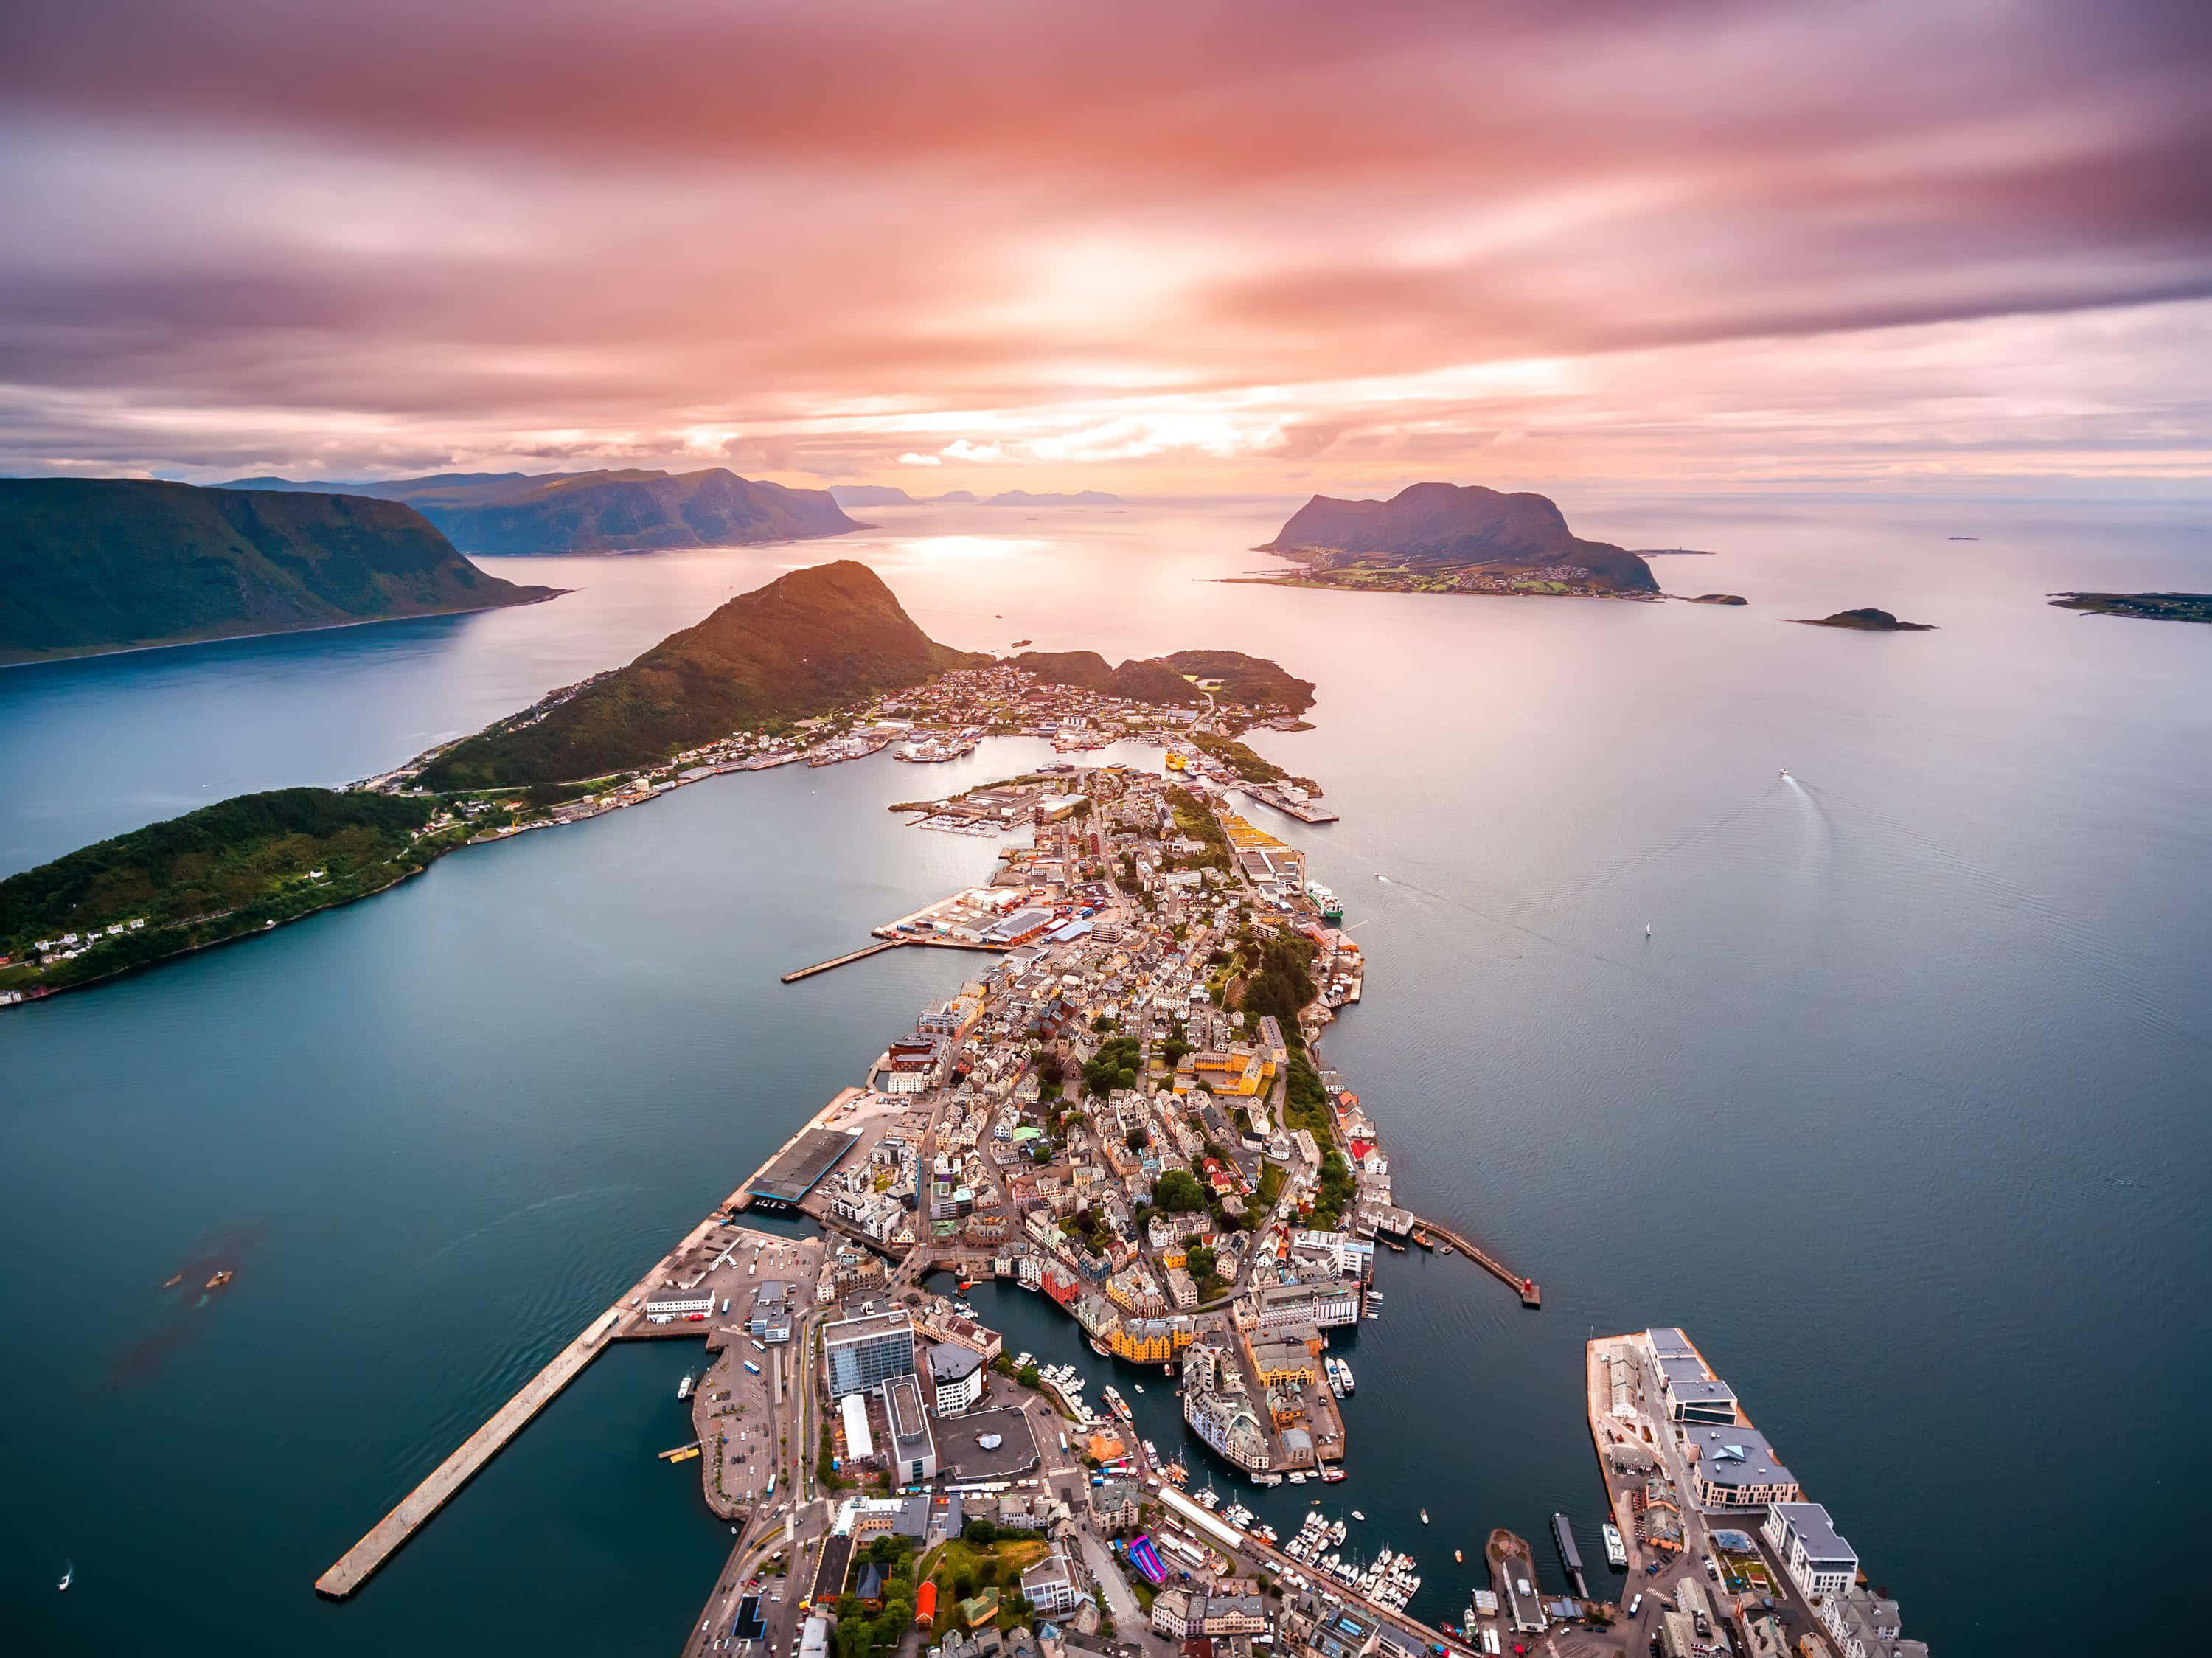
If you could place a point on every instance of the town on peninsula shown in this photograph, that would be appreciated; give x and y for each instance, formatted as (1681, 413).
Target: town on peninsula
(1124, 1109)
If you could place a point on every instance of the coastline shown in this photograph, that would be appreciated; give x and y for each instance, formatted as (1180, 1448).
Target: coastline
(95, 651)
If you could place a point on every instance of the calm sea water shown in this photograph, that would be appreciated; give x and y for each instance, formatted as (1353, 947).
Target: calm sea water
(1900, 1111)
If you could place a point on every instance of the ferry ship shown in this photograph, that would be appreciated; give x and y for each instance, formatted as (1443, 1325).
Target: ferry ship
(684, 1387)
(1115, 1402)
(1344, 1373)
(1616, 1552)
(1335, 1367)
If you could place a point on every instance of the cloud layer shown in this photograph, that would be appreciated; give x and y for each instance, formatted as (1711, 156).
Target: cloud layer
(1233, 245)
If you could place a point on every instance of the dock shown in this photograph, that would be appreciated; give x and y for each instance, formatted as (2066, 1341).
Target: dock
(360, 1563)
(1531, 1296)
(882, 944)
(865, 950)
(798, 1157)
(1569, 1557)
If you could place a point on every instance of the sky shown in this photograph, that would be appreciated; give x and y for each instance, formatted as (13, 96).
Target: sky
(1183, 248)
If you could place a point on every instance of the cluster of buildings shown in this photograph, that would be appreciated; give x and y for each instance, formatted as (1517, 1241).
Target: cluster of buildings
(1728, 1476)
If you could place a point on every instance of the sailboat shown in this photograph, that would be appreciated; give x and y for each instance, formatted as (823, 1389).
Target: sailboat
(69, 1574)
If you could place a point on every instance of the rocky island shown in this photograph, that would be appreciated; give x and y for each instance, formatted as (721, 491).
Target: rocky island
(2156, 606)
(630, 510)
(97, 564)
(1865, 620)
(1712, 599)
(1448, 537)
(822, 665)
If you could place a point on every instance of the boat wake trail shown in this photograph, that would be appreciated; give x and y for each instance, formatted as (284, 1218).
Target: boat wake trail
(1453, 902)
(2055, 928)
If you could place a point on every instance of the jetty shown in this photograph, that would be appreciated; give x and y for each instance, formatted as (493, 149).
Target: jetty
(801, 1159)
(865, 950)
(1531, 1296)
(922, 942)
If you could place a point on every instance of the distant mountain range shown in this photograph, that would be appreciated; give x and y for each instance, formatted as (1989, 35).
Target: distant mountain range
(805, 643)
(889, 495)
(93, 564)
(1454, 538)
(635, 510)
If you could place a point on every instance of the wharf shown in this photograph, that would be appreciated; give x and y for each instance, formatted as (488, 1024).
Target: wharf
(882, 944)
(624, 1320)
(865, 950)
(1531, 1296)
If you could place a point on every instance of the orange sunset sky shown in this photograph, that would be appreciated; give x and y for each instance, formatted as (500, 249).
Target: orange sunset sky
(1148, 247)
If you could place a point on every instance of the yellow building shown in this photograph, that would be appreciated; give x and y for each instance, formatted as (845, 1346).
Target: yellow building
(1241, 1075)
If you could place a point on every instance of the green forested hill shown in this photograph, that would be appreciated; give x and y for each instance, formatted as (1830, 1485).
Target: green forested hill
(225, 869)
(633, 510)
(803, 644)
(89, 564)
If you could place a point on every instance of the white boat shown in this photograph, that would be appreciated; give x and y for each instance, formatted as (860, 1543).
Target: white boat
(69, 1574)
(684, 1387)
(1616, 1552)
(1356, 1514)
(1344, 1369)
(1424, 1516)
(1139, 1386)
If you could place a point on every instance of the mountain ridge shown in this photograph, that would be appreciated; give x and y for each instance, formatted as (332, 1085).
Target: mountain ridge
(628, 510)
(97, 564)
(1453, 537)
(803, 644)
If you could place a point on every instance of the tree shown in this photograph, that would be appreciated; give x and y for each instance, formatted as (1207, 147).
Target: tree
(1179, 1192)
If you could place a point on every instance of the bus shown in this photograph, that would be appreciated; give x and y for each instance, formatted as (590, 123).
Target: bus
(750, 1366)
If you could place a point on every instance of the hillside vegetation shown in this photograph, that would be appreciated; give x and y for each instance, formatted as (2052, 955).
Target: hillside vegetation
(1432, 537)
(803, 644)
(226, 869)
(635, 509)
(1252, 682)
(89, 564)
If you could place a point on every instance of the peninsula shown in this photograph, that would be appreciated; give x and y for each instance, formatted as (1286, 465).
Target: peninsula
(2153, 606)
(1446, 538)
(1865, 620)
(635, 509)
(822, 665)
(97, 564)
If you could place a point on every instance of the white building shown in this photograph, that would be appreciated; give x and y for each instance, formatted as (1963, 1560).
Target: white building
(1805, 1540)
(958, 1375)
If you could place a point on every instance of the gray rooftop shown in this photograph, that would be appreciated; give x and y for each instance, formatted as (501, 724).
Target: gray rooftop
(1737, 1456)
(1670, 1343)
(1816, 1532)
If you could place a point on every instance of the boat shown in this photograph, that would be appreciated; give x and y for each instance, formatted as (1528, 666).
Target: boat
(1344, 1369)
(68, 1575)
(1785, 771)
(1446, 1249)
(684, 1387)
(1616, 1552)
(1139, 1386)
(1331, 1474)
(1297, 1478)
(222, 1277)
(1424, 1516)
(1458, 1558)
(1356, 1514)
(174, 1282)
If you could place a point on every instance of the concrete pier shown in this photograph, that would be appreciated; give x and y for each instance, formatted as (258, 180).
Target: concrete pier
(360, 1563)
(865, 950)
(622, 1321)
